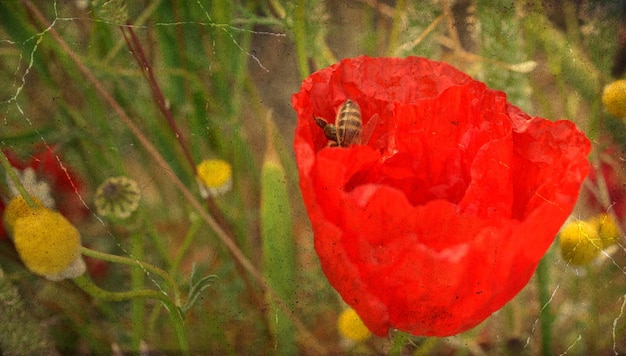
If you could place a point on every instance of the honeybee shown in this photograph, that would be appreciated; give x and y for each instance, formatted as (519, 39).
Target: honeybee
(348, 126)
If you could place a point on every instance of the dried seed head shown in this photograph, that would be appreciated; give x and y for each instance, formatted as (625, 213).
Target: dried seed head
(117, 197)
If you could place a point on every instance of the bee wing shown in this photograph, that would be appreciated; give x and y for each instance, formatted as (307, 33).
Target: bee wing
(368, 129)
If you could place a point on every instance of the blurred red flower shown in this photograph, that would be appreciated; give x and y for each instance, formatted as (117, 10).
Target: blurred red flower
(65, 185)
(611, 167)
(443, 216)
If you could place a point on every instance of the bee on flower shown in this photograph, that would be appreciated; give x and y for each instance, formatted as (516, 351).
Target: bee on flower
(452, 176)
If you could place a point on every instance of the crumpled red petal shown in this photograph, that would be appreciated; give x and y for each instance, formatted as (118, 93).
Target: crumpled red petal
(442, 217)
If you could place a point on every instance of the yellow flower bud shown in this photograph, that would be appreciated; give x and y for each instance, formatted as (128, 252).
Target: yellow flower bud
(351, 326)
(614, 98)
(18, 208)
(47, 243)
(579, 242)
(215, 177)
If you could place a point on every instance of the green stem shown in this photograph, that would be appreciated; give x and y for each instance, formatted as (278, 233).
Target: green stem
(299, 33)
(399, 340)
(137, 278)
(133, 262)
(4, 161)
(395, 27)
(545, 317)
(184, 247)
(177, 319)
(134, 45)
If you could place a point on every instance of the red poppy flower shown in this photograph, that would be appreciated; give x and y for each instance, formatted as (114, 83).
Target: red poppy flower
(442, 216)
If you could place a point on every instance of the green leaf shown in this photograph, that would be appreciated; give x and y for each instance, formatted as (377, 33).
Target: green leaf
(196, 287)
(278, 247)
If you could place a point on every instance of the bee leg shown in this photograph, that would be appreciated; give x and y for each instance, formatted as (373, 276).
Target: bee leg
(330, 131)
(320, 122)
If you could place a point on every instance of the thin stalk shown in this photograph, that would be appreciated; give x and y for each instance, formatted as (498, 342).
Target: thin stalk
(395, 27)
(146, 69)
(299, 33)
(399, 340)
(4, 161)
(146, 267)
(545, 316)
(186, 244)
(139, 22)
(137, 282)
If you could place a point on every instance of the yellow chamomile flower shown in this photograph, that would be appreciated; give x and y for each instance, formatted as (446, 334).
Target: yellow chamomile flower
(579, 242)
(608, 231)
(215, 177)
(47, 243)
(614, 98)
(18, 208)
(351, 326)
(117, 197)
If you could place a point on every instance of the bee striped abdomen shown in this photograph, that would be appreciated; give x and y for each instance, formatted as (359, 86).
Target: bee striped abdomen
(348, 124)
